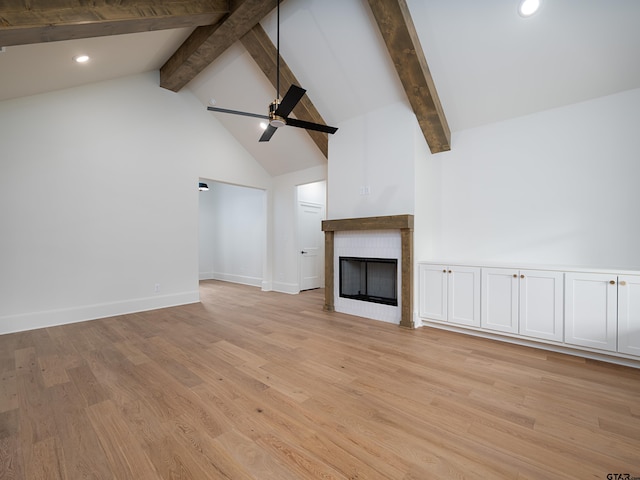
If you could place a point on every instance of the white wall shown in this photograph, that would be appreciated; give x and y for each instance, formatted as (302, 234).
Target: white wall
(314, 192)
(559, 187)
(98, 199)
(375, 151)
(284, 249)
(232, 233)
(428, 211)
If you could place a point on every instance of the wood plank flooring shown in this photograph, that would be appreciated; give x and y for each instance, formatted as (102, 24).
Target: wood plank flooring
(261, 385)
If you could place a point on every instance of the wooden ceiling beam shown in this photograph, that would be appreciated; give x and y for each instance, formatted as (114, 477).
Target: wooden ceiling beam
(39, 21)
(399, 33)
(264, 53)
(207, 43)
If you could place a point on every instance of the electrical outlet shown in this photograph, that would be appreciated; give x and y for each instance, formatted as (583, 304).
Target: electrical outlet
(156, 288)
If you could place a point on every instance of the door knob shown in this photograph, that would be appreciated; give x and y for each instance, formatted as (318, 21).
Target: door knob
(303, 252)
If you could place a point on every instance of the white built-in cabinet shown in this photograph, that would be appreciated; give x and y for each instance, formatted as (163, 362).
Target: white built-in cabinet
(603, 311)
(524, 302)
(591, 310)
(629, 314)
(450, 294)
(576, 308)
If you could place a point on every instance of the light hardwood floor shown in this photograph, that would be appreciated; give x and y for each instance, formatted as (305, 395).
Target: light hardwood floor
(256, 385)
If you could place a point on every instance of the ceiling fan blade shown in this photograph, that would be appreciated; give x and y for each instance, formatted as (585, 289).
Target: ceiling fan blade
(267, 134)
(294, 122)
(290, 100)
(236, 112)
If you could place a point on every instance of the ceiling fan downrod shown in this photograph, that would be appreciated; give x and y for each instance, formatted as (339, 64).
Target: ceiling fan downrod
(276, 120)
(277, 50)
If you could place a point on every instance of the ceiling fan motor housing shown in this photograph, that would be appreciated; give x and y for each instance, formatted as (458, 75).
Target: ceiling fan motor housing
(276, 120)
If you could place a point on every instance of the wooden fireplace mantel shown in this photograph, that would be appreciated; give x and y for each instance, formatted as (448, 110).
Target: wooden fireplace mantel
(404, 223)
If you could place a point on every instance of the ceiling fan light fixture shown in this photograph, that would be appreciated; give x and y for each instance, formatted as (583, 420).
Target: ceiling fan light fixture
(277, 121)
(526, 8)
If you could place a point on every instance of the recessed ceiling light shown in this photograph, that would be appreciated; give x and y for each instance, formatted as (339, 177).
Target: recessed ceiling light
(81, 58)
(212, 101)
(528, 7)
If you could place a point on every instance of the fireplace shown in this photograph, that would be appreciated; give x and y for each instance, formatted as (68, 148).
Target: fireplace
(369, 279)
(389, 237)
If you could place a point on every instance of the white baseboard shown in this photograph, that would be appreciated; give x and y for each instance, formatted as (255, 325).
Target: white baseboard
(267, 286)
(206, 276)
(51, 318)
(282, 287)
(242, 279)
(618, 359)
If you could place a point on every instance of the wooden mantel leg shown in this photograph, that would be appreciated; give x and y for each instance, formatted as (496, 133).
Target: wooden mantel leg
(406, 235)
(328, 272)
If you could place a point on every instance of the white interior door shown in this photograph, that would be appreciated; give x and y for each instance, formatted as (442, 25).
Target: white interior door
(311, 245)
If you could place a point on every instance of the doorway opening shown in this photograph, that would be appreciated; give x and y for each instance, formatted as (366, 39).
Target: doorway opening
(232, 233)
(311, 205)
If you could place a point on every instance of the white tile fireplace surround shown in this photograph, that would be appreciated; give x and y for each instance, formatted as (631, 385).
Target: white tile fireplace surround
(367, 244)
(371, 237)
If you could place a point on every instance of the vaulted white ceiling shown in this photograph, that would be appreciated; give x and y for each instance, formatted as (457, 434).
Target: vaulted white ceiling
(488, 63)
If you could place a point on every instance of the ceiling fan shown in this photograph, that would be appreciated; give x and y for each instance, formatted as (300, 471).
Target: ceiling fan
(280, 109)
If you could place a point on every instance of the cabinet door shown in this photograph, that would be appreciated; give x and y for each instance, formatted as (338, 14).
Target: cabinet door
(500, 299)
(541, 300)
(629, 314)
(433, 292)
(464, 295)
(590, 310)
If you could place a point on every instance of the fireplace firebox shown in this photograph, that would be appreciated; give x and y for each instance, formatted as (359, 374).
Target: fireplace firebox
(369, 279)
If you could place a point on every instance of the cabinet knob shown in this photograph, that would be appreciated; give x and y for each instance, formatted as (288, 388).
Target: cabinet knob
(622, 282)
(612, 282)
(515, 276)
(444, 271)
(449, 271)
(521, 276)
